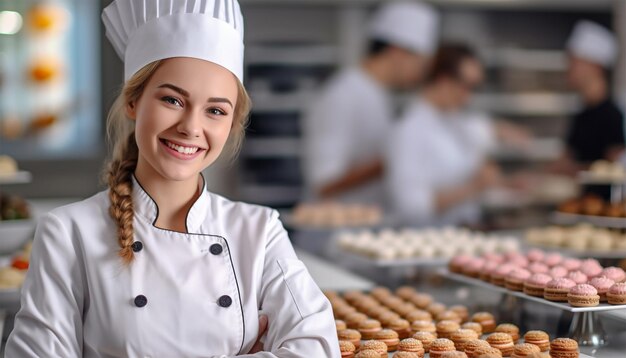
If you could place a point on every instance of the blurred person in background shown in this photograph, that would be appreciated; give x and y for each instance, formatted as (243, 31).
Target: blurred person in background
(597, 131)
(345, 127)
(437, 155)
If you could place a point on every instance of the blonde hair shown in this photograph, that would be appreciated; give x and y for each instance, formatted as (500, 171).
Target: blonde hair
(124, 153)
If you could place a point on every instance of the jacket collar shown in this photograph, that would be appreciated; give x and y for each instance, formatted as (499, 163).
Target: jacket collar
(147, 208)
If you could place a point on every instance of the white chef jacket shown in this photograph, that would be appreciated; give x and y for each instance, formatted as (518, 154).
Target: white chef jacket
(430, 151)
(195, 294)
(345, 126)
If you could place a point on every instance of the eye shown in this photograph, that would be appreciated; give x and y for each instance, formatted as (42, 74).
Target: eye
(216, 111)
(171, 100)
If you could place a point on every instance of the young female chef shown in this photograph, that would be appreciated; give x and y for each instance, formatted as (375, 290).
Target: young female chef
(157, 266)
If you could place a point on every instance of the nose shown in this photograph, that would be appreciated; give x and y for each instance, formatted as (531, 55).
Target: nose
(189, 125)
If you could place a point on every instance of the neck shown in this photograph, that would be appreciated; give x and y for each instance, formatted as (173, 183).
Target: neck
(377, 70)
(173, 198)
(436, 96)
(595, 91)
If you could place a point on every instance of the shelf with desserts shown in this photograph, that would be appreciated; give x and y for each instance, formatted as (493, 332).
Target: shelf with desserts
(593, 210)
(324, 216)
(10, 173)
(383, 323)
(602, 172)
(417, 247)
(580, 240)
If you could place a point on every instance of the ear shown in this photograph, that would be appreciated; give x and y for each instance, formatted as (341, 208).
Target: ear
(131, 112)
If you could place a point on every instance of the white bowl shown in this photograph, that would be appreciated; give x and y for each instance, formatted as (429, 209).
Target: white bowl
(14, 234)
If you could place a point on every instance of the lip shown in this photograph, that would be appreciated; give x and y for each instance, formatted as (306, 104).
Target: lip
(176, 154)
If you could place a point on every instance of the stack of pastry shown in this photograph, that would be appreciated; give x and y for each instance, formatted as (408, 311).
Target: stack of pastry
(336, 215)
(390, 244)
(410, 324)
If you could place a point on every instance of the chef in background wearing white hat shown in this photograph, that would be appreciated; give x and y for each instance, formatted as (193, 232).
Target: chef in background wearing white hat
(158, 266)
(596, 132)
(345, 127)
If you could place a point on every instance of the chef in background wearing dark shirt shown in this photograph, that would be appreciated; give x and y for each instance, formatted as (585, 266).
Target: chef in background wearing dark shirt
(597, 131)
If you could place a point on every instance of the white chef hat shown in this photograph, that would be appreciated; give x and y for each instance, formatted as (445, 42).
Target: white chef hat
(143, 31)
(408, 24)
(593, 43)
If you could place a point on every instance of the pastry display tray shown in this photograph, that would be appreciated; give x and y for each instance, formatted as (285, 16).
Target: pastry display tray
(404, 262)
(587, 253)
(560, 305)
(601, 221)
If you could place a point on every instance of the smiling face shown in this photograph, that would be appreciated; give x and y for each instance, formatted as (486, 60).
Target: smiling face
(183, 118)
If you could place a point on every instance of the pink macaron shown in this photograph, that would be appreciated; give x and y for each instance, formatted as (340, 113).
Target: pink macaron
(535, 255)
(558, 271)
(578, 277)
(583, 290)
(616, 274)
(474, 266)
(561, 283)
(553, 259)
(591, 268)
(493, 257)
(571, 264)
(538, 267)
(602, 284)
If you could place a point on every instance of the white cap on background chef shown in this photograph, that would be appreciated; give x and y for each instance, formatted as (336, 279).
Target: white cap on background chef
(593, 43)
(345, 127)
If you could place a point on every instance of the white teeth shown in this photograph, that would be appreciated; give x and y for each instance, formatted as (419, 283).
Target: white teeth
(181, 149)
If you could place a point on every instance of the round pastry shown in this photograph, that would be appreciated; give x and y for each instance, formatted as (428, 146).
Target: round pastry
(486, 320)
(436, 308)
(423, 326)
(501, 341)
(616, 274)
(439, 346)
(461, 311)
(421, 300)
(558, 271)
(592, 205)
(535, 255)
(497, 276)
(564, 348)
(474, 267)
(591, 268)
(418, 315)
(614, 210)
(454, 354)
(380, 292)
(553, 259)
(473, 345)
(368, 353)
(411, 345)
(368, 328)
(340, 325)
(572, 206)
(7, 165)
(538, 338)
(347, 349)
(402, 354)
(401, 326)
(445, 328)
(538, 267)
(389, 337)
(515, 279)
(405, 308)
(351, 335)
(571, 264)
(536, 284)
(557, 289)
(509, 329)
(426, 338)
(387, 317)
(488, 269)
(583, 295)
(457, 263)
(376, 346)
(462, 336)
(524, 350)
(474, 326)
(487, 353)
(405, 292)
(448, 315)
(602, 285)
(617, 294)
(354, 319)
(578, 277)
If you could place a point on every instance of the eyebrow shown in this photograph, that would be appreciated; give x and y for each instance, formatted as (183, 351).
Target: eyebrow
(186, 94)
